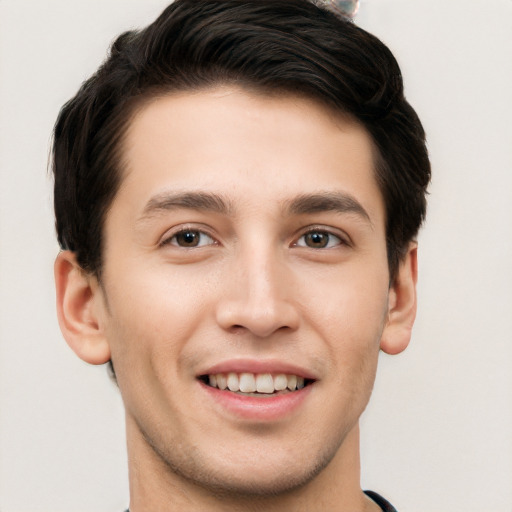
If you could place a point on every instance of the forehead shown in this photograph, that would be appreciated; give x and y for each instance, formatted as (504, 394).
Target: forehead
(252, 149)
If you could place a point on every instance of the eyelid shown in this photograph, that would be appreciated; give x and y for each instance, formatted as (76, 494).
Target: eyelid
(340, 235)
(171, 234)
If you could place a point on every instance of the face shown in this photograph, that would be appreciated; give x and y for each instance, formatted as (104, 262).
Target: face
(245, 287)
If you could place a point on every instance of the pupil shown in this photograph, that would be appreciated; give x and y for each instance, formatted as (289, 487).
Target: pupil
(189, 238)
(317, 239)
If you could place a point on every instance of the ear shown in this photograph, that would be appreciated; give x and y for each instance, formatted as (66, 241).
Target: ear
(79, 303)
(401, 304)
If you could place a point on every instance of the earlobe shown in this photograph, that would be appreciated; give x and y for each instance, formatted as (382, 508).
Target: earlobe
(78, 309)
(401, 305)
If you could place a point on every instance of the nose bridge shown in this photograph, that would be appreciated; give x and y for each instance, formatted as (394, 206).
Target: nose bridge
(259, 299)
(259, 270)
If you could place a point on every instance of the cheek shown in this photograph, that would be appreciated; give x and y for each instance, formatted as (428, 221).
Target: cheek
(351, 300)
(350, 313)
(151, 319)
(153, 313)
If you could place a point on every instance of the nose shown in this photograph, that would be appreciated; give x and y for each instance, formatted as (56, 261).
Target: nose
(258, 295)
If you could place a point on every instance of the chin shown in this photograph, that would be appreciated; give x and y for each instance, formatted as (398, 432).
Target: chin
(257, 486)
(254, 478)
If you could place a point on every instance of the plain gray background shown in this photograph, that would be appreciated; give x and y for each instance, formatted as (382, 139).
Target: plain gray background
(437, 435)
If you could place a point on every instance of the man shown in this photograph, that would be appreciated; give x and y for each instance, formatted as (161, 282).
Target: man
(237, 194)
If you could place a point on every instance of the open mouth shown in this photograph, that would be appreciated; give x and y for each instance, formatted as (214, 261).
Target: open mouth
(256, 384)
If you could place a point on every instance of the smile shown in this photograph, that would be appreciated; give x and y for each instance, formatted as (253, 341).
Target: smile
(252, 384)
(256, 391)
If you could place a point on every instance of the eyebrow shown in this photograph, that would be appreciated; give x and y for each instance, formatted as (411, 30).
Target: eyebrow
(338, 202)
(189, 200)
(304, 204)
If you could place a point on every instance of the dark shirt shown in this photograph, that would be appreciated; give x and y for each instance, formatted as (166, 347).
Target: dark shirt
(383, 504)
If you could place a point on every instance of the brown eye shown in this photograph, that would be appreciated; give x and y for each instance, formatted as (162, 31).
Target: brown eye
(319, 240)
(191, 238)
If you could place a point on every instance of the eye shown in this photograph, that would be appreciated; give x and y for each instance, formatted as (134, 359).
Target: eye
(190, 238)
(319, 239)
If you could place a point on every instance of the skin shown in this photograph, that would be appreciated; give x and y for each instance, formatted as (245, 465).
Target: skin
(254, 288)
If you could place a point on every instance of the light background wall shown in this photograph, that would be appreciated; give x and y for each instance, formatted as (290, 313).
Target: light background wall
(437, 436)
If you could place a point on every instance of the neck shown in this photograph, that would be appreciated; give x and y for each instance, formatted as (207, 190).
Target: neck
(155, 486)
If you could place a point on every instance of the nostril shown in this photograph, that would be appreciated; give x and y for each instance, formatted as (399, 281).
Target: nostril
(261, 317)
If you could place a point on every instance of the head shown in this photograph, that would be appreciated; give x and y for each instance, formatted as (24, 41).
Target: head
(273, 48)
(238, 190)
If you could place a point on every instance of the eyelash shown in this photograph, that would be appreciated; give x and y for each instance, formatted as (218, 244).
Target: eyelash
(339, 240)
(331, 237)
(172, 240)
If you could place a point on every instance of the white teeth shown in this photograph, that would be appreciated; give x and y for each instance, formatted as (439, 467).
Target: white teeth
(247, 383)
(264, 383)
(222, 381)
(280, 382)
(292, 382)
(233, 383)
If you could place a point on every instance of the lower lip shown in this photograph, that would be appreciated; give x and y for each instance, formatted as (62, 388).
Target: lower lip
(268, 408)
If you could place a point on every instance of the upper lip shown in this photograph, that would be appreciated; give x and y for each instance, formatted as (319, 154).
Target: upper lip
(258, 366)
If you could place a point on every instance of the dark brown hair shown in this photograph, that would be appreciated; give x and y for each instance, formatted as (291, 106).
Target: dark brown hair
(268, 46)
